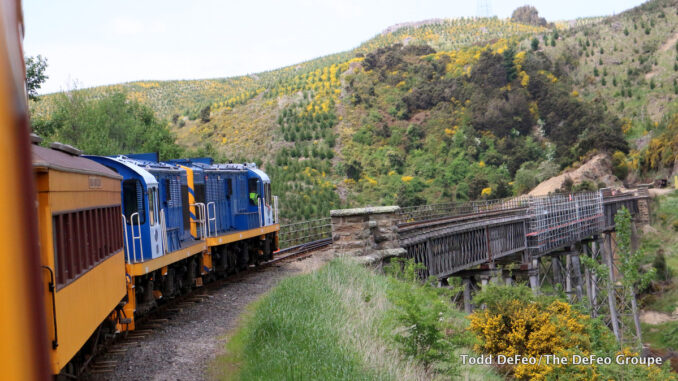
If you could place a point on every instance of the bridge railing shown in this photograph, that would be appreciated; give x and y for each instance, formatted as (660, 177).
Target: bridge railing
(305, 231)
(432, 212)
(561, 219)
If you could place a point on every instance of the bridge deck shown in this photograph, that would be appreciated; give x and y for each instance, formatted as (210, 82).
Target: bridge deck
(470, 234)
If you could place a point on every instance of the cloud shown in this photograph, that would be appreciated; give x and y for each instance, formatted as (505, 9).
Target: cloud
(123, 26)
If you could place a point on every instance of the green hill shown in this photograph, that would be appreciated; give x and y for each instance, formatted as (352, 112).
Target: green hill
(438, 111)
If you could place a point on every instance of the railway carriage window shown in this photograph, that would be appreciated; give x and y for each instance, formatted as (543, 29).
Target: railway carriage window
(133, 199)
(84, 238)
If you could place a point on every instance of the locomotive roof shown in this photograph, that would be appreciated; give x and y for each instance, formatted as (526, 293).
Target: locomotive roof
(152, 165)
(61, 161)
(147, 177)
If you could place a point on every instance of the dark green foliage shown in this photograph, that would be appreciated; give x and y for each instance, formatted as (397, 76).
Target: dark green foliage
(568, 120)
(205, 114)
(535, 44)
(354, 170)
(420, 310)
(35, 74)
(111, 125)
(585, 186)
(428, 94)
(489, 72)
(509, 66)
(664, 273)
(502, 114)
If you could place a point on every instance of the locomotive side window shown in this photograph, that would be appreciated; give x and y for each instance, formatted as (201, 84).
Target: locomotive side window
(267, 193)
(152, 204)
(133, 199)
(229, 187)
(252, 191)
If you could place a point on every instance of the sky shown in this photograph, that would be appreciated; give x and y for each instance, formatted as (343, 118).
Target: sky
(90, 43)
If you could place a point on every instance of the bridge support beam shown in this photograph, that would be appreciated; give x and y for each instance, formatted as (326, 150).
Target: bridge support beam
(468, 307)
(607, 253)
(533, 272)
(576, 269)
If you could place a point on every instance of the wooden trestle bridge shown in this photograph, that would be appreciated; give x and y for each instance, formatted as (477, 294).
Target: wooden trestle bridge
(536, 239)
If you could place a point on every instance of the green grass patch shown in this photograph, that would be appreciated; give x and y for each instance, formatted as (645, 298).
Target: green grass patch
(345, 322)
(661, 336)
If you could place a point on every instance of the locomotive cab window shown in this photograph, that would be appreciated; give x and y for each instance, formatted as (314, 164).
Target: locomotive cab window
(267, 193)
(253, 191)
(133, 198)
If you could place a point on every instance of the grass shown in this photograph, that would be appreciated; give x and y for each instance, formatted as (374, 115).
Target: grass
(665, 214)
(334, 324)
(661, 336)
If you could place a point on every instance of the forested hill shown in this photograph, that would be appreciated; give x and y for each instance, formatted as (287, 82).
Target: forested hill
(451, 110)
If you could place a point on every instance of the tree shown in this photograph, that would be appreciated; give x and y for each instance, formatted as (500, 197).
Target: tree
(205, 114)
(535, 44)
(35, 75)
(509, 66)
(110, 125)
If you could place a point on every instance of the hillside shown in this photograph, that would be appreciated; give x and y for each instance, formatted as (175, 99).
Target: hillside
(439, 110)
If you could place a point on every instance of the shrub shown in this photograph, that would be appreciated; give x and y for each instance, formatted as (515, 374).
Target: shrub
(619, 166)
(516, 322)
(420, 311)
(664, 272)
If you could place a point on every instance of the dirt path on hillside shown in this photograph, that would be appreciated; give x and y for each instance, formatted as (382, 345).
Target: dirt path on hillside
(598, 169)
(654, 317)
(669, 44)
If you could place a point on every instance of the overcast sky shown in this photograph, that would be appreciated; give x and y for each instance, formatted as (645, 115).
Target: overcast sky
(91, 43)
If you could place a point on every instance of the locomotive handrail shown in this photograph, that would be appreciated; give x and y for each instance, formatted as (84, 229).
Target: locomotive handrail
(210, 232)
(275, 210)
(125, 239)
(259, 201)
(200, 218)
(135, 237)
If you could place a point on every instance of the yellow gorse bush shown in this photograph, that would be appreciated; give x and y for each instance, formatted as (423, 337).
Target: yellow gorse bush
(527, 329)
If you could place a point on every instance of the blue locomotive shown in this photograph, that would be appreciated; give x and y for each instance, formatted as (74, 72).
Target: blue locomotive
(188, 220)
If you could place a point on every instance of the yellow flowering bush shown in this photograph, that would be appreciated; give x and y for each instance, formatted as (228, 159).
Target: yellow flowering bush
(517, 323)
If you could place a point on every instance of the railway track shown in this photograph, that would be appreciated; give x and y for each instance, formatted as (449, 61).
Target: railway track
(111, 354)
